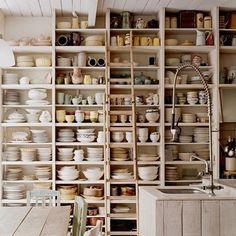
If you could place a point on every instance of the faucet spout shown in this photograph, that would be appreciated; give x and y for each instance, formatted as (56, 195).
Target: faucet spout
(207, 172)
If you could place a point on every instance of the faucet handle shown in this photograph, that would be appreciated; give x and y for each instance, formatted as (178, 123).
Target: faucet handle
(201, 173)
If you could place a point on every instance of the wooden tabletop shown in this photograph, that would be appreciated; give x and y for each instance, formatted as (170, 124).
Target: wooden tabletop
(34, 221)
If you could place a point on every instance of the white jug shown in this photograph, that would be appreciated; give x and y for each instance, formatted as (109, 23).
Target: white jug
(200, 40)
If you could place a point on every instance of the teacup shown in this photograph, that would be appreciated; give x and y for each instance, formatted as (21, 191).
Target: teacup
(90, 100)
(60, 116)
(69, 118)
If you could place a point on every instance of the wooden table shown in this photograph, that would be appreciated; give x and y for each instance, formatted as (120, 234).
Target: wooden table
(34, 221)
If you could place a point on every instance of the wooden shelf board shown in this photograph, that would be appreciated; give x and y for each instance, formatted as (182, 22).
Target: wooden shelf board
(81, 86)
(27, 162)
(184, 163)
(80, 163)
(76, 49)
(93, 31)
(79, 124)
(198, 49)
(26, 86)
(93, 68)
(196, 124)
(32, 49)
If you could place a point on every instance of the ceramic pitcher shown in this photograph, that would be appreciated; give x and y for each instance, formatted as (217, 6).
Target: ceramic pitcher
(200, 39)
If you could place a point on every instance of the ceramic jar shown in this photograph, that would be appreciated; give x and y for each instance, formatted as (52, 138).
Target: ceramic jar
(45, 117)
(99, 98)
(37, 94)
(77, 77)
(93, 116)
(100, 116)
(152, 115)
(82, 59)
(60, 116)
(79, 116)
(155, 136)
(87, 79)
(140, 23)
(77, 100)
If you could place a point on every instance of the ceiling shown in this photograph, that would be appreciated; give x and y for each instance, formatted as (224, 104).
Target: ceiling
(45, 7)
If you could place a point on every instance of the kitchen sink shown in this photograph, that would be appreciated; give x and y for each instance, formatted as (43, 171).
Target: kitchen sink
(181, 191)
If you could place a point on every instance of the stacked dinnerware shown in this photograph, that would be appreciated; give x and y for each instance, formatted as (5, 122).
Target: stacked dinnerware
(39, 136)
(68, 192)
(171, 173)
(181, 98)
(188, 118)
(13, 173)
(14, 191)
(15, 117)
(10, 78)
(202, 117)
(42, 185)
(12, 98)
(119, 154)
(94, 154)
(117, 136)
(79, 155)
(65, 135)
(68, 173)
(142, 134)
(37, 97)
(86, 135)
(185, 139)
(122, 173)
(203, 153)
(192, 97)
(28, 154)
(33, 115)
(168, 114)
(43, 172)
(65, 154)
(11, 154)
(44, 154)
(148, 173)
(100, 138)
(93, 173)
(201, 135)
(20, 136)
(148, 157)
(25, 61)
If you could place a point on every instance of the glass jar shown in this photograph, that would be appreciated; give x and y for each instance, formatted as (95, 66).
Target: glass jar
(126, 21)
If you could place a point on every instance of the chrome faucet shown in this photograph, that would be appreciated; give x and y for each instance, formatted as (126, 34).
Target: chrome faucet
(205, 162)
(174, 127)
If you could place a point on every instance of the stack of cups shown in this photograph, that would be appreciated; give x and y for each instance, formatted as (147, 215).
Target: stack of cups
(100, 138)
(79, 155)
(192, 97)
(181, 98)
(202, 97)
(143, 134)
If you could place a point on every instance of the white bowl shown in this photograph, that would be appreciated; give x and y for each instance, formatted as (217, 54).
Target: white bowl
(148, 170)
(147, 177)
(93, 175)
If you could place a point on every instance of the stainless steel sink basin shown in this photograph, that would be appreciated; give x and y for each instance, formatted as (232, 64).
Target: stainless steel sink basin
(181, 191)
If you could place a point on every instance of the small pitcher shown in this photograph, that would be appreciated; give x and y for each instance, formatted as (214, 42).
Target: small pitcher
(200, 39)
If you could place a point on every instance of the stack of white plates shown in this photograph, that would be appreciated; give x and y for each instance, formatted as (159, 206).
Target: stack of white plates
(86, 135)
(119, 154)
(65, 135)
(11, 98)
(148, 157)
(68, 173)
(13, 173)
(37, 102)
(28, 154)
(43, 172)
(94, 154)
(121, 209)
(201, 135)
(14, 191)
(168, 115)
(203, 153)
(39, 136)
(11, 154)
(42, 185)
(172, 173)
(15, 117)
(122, 173)
(25, 61)
(188, 118)
(65, 154)
(185, 139)
(44, 154)
(10, 78)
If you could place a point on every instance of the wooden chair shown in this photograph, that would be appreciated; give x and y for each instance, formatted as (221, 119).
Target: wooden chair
(96, 231)
(79, 217)
(44, 197)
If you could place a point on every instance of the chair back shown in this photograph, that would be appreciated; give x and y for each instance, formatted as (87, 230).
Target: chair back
(96, 231)
(43, 197)
(79, 216)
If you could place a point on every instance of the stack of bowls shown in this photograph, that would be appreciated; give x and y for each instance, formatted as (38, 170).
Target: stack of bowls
(93, 173)
(79, 155)
(203, 153)
(25, 61)
(192, 97)
(94, 154)
(44, 154)
(28, 154)
(65, 135)
(15, 117)
(185, 139)
(143, 134)
(119, 154)
(152, 115)
(122, 173)
(148, 157)
(188, 118)
(86, 135)
(43, 172)
(68, 192)
(13, 173)
(68, 173)
(202, 117)
(65, 154)
(12, 98)
(33, 115)
(11, 154)
(185, 156)
(201, 135)
(93, 192)
(42, 185)
(14, 191)
(117, 136)
(168, 115)
(171, 173)
(181, 98)
(148, 173)
(39, 136)
(10, 78)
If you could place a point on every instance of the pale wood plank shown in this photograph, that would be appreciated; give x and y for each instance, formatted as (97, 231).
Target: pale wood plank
(57, 222)
(66, 7)
(227, 217)
(11, 218)
(159, 218)
(34, 222)
(34, 7)
(210, 218)
(191, 218)
(45, 7)
(172, 219)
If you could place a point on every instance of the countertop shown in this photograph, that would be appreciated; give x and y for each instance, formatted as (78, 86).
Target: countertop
(227, 193)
